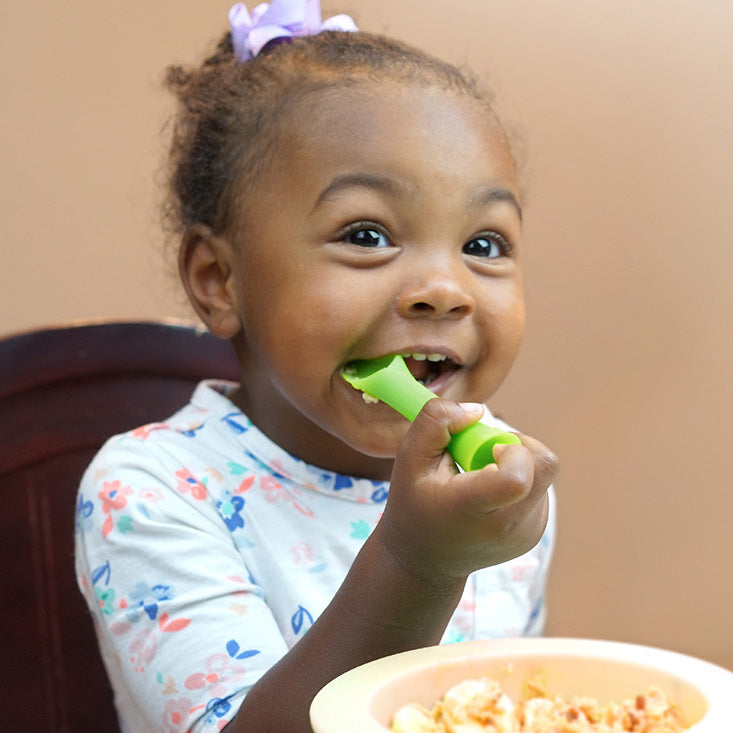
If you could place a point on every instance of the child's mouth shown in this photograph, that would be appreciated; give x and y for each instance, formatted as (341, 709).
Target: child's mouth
(429, 372)
(428, 368)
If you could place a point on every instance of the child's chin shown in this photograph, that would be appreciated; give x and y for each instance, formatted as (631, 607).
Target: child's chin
(379, 443)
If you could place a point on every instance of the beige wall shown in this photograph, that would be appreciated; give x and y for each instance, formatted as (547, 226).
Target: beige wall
(627, 112)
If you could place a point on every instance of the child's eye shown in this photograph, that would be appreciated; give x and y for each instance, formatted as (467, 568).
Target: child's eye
(365, 235)
(491, 246)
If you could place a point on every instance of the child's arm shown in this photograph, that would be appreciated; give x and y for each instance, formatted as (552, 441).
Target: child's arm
(438, 526)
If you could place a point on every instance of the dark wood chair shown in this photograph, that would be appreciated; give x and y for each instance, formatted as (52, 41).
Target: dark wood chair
(63, 392)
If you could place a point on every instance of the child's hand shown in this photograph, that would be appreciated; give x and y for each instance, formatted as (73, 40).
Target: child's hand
(440, 524)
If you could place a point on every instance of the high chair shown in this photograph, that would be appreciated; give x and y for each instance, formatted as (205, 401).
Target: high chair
(63, 392)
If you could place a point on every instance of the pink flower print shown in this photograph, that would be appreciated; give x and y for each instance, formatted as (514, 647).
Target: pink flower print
(151, 493)
(304, 556)
(220, 669)
(144, 430)
(175, 715)
(142, 649)
(113, 496)
(238, 595)
(274, 491)
(523, 569)
(176, 624)
(302, 553)
(246, 485)
(279, 468)
(187, 482)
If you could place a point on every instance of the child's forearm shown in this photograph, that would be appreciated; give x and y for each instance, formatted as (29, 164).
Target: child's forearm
(380, 609)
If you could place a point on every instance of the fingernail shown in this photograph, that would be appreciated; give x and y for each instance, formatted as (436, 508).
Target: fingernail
(498, 449)
(473, 408)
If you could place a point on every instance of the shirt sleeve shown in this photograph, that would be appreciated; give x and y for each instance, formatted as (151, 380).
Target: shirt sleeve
(183, 630)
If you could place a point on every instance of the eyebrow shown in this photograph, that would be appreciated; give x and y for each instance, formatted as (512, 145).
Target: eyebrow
(381, 184)
(487, 195)
(483, 196)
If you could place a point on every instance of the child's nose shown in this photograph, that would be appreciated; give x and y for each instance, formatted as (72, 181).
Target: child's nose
(437, 294)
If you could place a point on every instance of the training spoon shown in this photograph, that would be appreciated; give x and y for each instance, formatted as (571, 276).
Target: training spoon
(389, 380)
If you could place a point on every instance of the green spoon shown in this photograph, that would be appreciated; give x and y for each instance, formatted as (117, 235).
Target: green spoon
(389, 380)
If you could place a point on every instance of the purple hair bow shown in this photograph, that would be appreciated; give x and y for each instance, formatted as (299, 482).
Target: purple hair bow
(279, 19)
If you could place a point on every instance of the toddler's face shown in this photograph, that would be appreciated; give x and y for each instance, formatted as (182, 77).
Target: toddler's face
(387, 223)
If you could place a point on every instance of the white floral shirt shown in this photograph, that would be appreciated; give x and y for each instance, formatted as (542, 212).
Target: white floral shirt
(205, 552)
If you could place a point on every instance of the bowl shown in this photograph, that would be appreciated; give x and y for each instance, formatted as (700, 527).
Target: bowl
(364, 699)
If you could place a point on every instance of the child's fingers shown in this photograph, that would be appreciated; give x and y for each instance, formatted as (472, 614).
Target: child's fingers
(510, 479)
(430, 433)
(546, 462)
(519, 471)
(454, 523)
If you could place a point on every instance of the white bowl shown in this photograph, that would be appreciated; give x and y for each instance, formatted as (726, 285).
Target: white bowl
(364, 699)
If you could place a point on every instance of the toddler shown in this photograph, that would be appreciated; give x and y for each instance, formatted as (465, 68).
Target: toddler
(338, 196)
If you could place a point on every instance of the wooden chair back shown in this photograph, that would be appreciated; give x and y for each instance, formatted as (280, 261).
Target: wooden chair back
(63, 392)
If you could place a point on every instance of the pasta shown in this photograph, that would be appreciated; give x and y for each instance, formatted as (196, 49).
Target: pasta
(481, 706)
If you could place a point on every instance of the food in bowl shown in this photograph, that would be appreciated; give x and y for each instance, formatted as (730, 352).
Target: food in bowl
(477, 705)
(365, 699)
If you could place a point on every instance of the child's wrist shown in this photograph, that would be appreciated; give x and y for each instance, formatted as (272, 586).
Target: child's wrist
(414, 569)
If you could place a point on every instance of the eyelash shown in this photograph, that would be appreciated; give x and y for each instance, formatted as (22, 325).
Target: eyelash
(362, 226)
(344, 235)
(499, 240)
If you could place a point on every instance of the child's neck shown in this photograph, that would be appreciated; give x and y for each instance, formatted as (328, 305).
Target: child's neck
(306, 441)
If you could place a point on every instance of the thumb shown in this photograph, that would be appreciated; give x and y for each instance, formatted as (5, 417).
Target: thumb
(430, 433)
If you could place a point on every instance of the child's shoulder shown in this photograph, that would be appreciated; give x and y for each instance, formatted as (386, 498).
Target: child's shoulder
(209, 405)
(207, 420)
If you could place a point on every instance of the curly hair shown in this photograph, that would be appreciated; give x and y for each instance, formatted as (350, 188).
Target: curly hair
(228, 111)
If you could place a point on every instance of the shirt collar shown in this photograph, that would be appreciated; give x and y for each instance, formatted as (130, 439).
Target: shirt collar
(213, 395)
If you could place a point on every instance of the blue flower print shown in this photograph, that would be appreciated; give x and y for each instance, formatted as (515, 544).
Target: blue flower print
(536, 611)
(217, 707)
(302, 620)
(191, 431)
(84, 511)
(142, 596)
(342, 482)
(102, 572)
(233, 650)
(236, 422)
(320, 476)
(230, 510)
(379, 495)
(267, 468)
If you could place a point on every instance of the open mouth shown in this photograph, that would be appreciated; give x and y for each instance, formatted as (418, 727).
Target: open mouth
(429, 368)
(388, 378)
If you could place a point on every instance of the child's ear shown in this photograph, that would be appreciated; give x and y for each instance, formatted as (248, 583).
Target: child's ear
(205, 264)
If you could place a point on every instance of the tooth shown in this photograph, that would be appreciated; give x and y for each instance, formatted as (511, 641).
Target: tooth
(419, 357)
(370, 399)
(437, 357)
